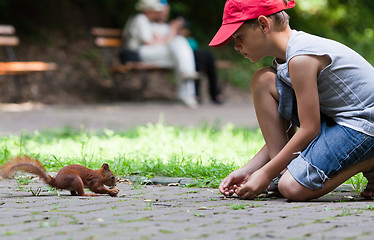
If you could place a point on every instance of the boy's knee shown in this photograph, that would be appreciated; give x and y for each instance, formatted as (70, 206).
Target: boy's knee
(263, 78)
(291, 189)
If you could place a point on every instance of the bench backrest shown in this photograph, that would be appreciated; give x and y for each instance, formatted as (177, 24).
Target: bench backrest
(107, 37)
(12, 66)
(8, 40)
(6, 36)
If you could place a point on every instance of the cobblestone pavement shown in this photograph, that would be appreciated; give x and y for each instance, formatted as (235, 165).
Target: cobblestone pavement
(164, 212)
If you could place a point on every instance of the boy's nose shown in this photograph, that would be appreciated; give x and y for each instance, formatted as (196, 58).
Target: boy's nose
(237, 46)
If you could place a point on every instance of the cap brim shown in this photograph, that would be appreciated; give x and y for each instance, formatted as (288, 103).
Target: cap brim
(224, 34)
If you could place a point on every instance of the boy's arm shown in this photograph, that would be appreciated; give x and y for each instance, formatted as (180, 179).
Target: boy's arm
(303, 73)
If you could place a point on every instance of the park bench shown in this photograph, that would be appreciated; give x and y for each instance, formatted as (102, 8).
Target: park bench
(12, 66)
(109, 40)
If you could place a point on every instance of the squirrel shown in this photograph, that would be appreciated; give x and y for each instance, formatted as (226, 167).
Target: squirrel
(72, 177)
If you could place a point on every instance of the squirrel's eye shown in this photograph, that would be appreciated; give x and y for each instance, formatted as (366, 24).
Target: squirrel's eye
(112, 177)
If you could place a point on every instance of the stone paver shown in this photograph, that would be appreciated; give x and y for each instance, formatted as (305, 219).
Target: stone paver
(162, 212)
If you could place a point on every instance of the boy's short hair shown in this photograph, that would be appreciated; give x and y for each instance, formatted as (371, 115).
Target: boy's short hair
(281, 20)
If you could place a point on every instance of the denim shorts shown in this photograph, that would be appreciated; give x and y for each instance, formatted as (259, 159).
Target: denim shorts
(333, 150)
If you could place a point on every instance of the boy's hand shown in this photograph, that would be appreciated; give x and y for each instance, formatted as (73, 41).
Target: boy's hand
(256, 184)
(230, 184)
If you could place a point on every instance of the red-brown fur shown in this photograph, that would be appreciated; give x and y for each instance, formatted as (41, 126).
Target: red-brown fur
(72, 177)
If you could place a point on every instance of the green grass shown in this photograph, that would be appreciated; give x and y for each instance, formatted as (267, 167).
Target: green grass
(204, 152)
(358, 182)
(235, 206)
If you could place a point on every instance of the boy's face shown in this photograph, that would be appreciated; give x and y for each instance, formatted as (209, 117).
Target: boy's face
(250, 41)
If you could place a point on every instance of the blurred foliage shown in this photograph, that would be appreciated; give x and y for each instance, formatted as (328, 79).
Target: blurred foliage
(348, 21)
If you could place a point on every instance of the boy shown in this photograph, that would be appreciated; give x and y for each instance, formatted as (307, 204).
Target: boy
(320, 85)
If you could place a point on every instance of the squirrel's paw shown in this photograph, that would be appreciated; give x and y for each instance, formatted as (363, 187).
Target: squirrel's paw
(113, 191)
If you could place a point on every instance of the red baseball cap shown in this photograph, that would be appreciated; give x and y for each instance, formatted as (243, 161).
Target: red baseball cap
(236, 12)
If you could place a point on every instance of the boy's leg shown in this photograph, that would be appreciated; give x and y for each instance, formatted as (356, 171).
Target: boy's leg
(293, 190)
(266, 99)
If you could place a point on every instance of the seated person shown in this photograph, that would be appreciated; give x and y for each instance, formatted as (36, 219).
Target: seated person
(171, 50)
(205, 61)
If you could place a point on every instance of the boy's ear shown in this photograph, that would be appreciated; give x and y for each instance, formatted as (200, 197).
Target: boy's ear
(264, 23)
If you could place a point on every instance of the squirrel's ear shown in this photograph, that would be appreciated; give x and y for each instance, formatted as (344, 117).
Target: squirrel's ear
(105, 166)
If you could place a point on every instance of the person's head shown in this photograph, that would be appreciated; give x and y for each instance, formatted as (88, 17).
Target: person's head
(164, 14)
(240, 14)
(151, 8)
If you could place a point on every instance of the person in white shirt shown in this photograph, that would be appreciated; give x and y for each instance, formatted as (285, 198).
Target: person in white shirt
(167, 50)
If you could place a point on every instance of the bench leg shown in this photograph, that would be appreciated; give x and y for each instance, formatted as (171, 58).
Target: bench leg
(144, 76)
(18, 96)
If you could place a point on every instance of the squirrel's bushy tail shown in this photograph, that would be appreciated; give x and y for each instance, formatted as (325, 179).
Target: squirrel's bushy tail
(26, 164)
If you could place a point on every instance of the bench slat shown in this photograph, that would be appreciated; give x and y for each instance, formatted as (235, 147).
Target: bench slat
(9, 41)
(7, 29)
(106, 32)
(13, 68)
(108, 42)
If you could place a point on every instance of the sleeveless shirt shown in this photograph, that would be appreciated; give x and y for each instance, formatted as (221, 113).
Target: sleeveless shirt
(345, 86)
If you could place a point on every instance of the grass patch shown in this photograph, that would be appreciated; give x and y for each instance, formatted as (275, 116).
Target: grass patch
(205, 153)
(358, 182)
(235, 206)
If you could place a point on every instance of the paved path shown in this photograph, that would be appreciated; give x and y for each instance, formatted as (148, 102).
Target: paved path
(18, 118)
(161, 212)
(172, 212)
